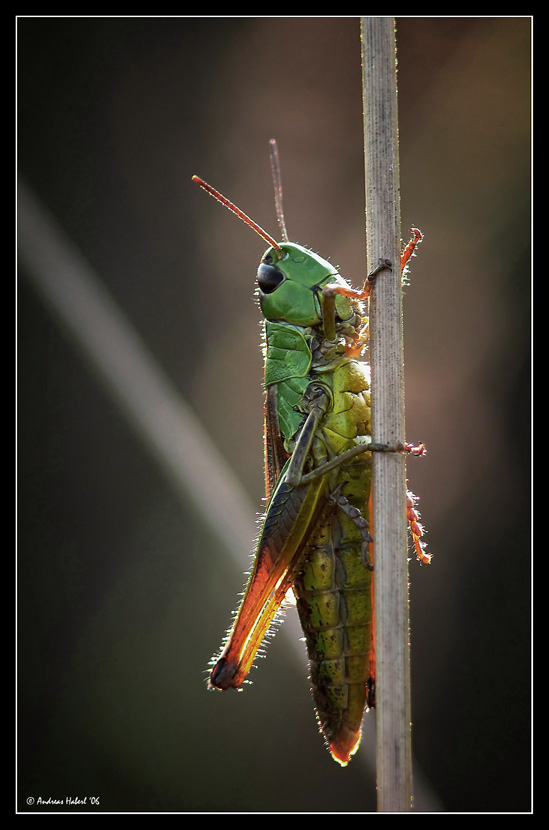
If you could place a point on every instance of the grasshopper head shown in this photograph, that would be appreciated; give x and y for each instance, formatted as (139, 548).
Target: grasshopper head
(289, 280)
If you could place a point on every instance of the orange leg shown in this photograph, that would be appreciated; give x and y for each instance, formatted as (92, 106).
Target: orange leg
(416, 528)
(410, 247)
(363, 294)
(357, 294)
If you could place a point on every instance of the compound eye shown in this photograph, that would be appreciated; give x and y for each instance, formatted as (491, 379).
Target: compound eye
(269, 278)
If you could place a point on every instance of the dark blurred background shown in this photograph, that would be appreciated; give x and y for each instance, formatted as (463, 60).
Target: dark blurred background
(123, 597)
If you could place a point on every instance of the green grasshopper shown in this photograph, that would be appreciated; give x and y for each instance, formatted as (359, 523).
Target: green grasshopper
(314, 537)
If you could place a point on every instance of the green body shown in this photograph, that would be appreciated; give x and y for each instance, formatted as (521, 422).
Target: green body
(333, 586)
(314, 536)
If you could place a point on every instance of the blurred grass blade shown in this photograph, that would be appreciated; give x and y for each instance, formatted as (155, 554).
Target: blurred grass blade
(122, 362)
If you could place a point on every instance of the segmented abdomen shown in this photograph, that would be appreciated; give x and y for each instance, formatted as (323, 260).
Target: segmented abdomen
(335, 605)
(335, 588)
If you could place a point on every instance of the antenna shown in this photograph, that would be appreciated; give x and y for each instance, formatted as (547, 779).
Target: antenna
(277, 181)
(241, 215)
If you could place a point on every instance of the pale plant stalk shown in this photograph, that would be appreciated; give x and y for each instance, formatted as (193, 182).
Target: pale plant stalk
(394, 768)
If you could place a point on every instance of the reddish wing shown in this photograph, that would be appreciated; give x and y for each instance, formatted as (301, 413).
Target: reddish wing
(292, 513)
